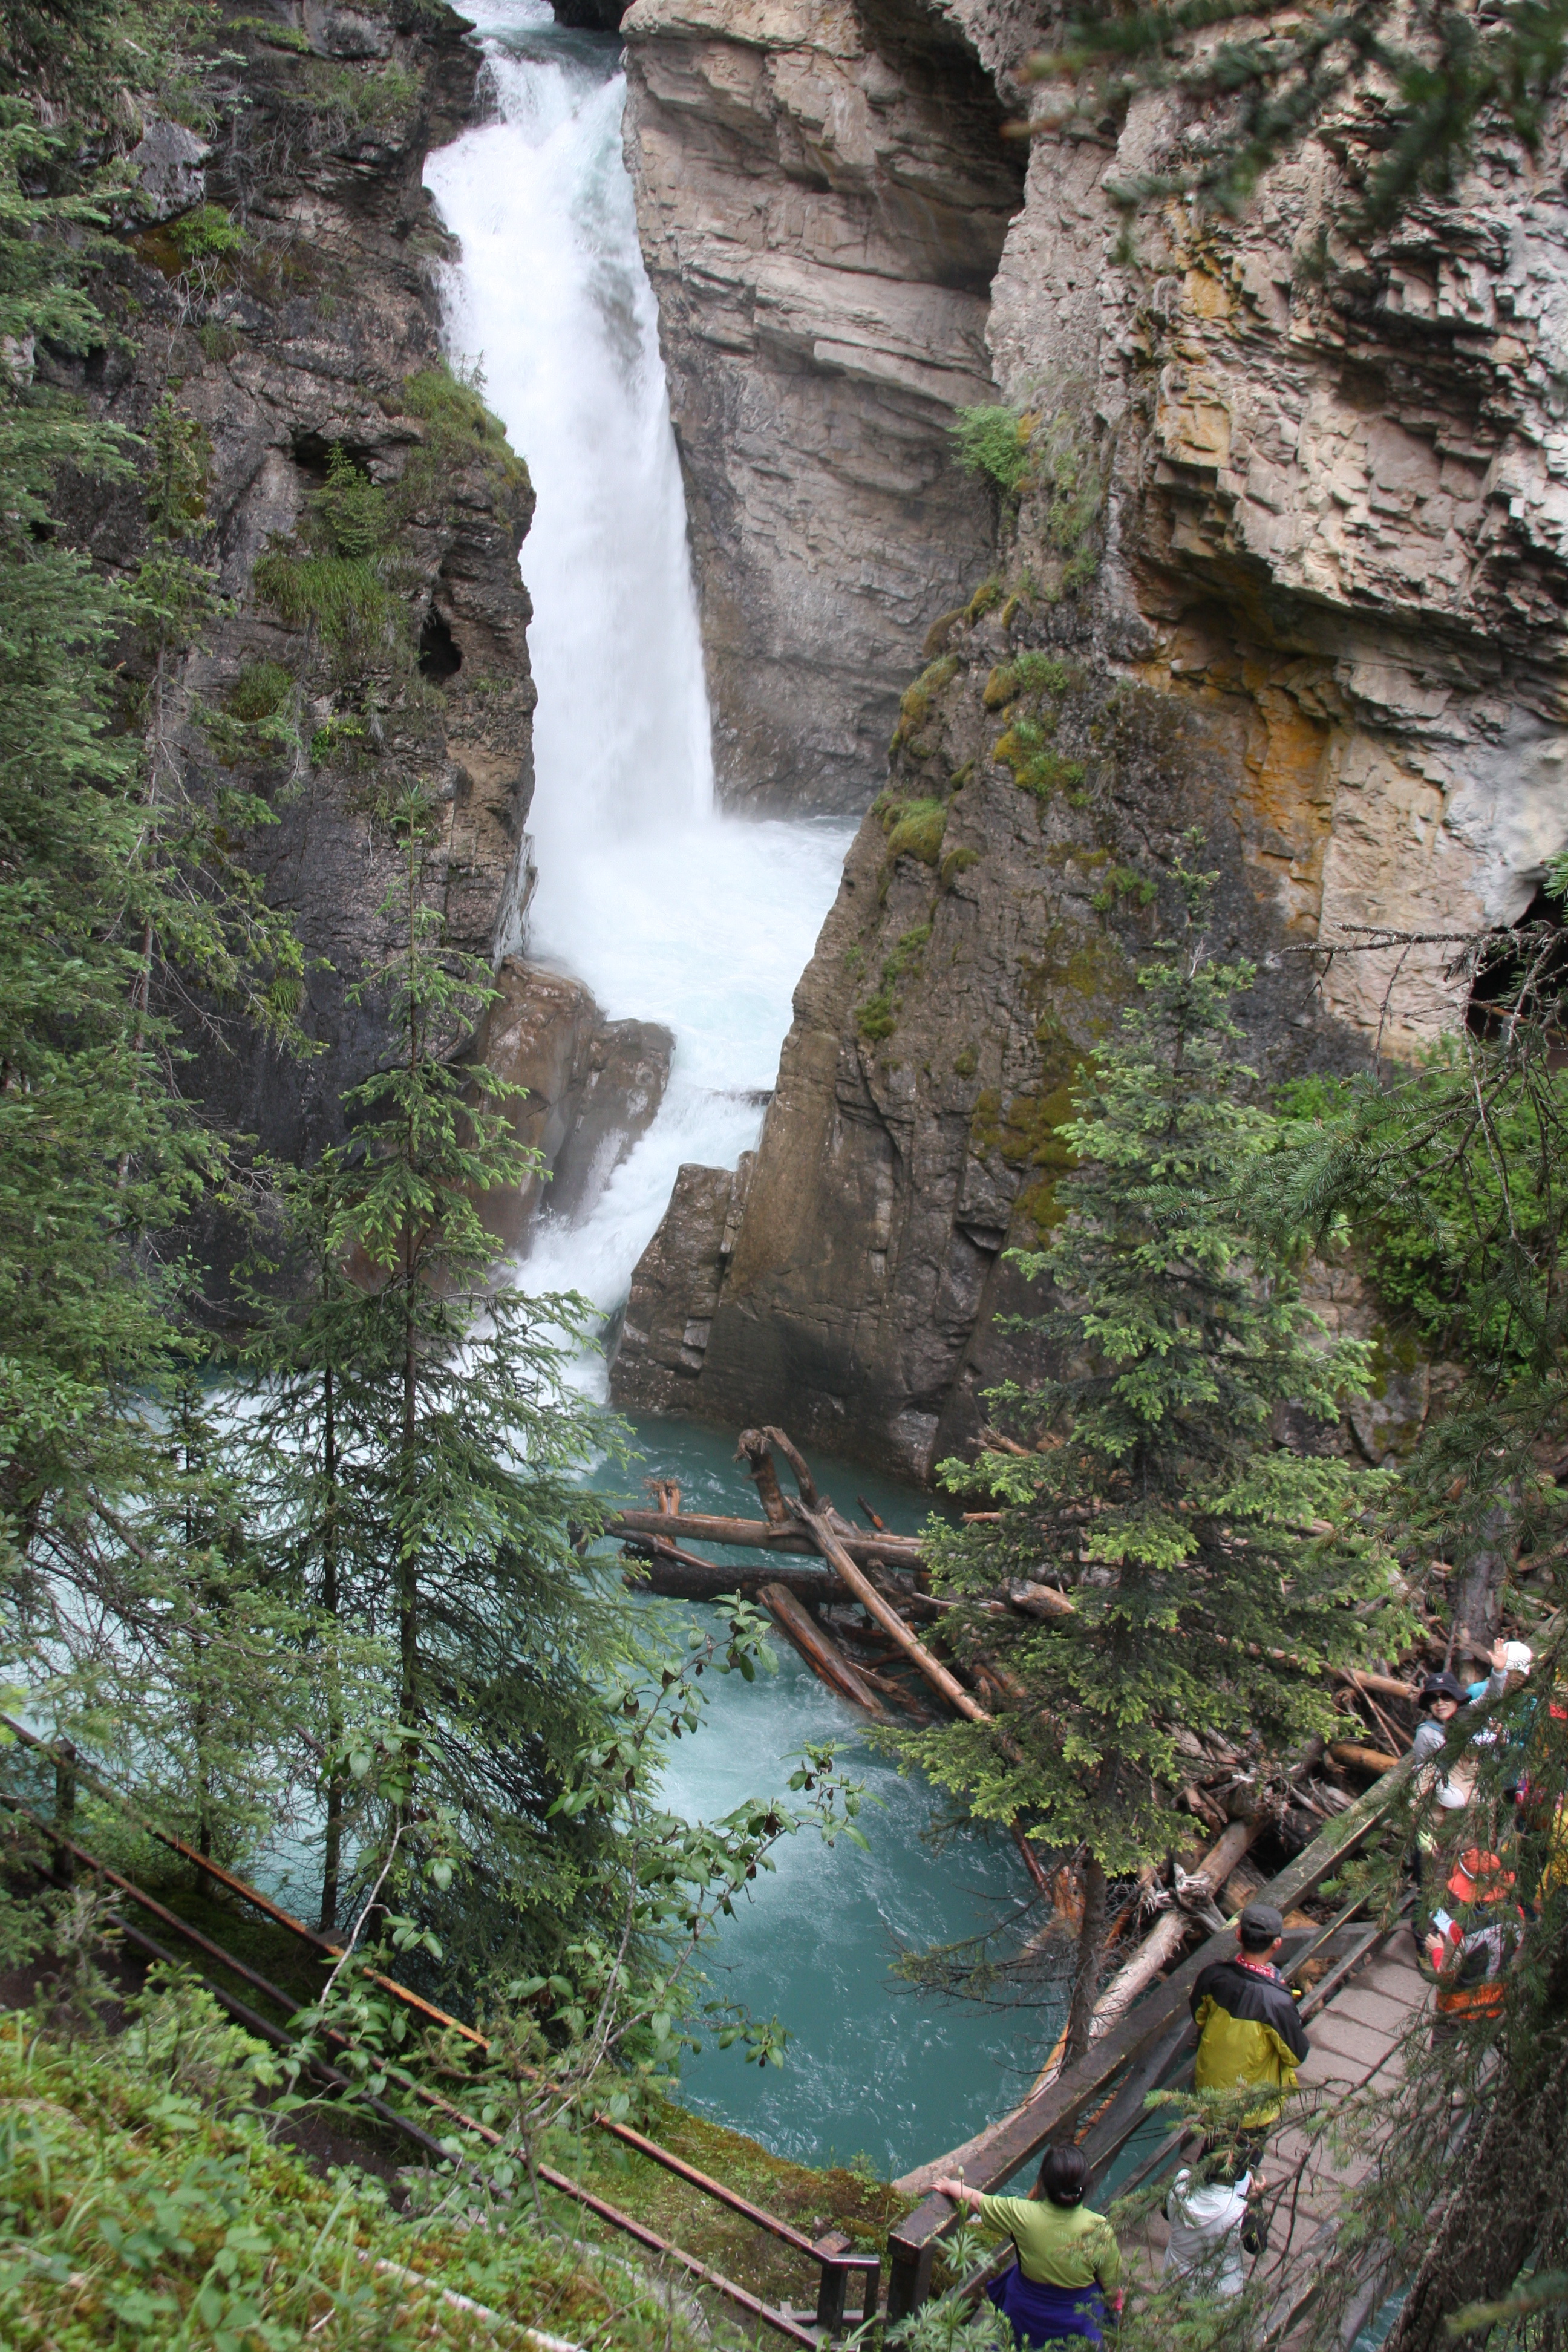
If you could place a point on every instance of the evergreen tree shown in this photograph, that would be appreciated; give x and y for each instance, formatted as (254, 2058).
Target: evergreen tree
(1212, 1574)
(110, 882)
(422, 1446)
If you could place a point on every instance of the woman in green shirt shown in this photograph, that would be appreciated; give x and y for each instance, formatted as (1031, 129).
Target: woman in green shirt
(1069, 2267)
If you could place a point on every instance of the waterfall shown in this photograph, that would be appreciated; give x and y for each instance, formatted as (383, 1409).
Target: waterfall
(664, 907)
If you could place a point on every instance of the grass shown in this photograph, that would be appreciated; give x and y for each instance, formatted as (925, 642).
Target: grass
(877, 1017)
(460, 429)
(145, 2203)
(184, 2047)
(344, 597)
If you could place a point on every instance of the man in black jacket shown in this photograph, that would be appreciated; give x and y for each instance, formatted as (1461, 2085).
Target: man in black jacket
(1249, 2031)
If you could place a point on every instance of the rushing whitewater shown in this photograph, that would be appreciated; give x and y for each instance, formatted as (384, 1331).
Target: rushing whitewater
(668, 910)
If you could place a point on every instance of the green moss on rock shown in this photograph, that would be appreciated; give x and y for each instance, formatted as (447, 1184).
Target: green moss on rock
(919, 830)
(917, 704)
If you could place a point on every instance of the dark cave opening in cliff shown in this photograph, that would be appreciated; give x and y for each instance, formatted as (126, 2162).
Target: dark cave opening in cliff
(440, 655)
(1525, 969)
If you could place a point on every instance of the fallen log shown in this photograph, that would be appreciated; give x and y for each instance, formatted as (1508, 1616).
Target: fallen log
(835, 1552)
(1040, 1600)
(821, 1653)
(1158, 1950)
(1357, 1759)
(753, 1449)
(759, 1535)
(675, 1576)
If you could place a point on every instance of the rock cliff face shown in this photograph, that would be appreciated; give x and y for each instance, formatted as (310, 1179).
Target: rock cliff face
(275, 279)
(1287, 561)
(824, 197)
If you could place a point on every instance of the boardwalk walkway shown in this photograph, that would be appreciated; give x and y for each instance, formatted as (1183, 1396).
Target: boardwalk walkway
(1356, 2037)
(1356, 2015)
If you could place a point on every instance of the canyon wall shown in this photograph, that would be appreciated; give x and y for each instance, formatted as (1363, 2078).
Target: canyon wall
(824, 197)
(273, 299)
(1286, 563)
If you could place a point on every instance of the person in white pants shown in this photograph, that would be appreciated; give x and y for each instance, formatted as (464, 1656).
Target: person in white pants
(1206, 2219)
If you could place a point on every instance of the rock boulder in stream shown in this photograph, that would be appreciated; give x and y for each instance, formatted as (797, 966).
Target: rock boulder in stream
(593, 1087)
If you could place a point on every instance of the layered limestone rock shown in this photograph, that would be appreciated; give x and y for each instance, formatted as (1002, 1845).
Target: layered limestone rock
(823, 194)
(275, 280)
(1288, 562)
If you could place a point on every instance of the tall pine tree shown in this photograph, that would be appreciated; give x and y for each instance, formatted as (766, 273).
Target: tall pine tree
(423, 1445)
(1212, 1574)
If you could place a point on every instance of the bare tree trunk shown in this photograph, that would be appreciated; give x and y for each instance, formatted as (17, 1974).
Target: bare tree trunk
(1086, 1976)
(332, 1860)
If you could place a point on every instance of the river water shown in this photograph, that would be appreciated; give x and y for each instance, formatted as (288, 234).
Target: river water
(670, 910)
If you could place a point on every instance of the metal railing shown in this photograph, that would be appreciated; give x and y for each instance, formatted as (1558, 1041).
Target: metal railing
(836, 2261)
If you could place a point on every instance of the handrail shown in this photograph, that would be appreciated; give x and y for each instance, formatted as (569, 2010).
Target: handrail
(836, 2263)
(1061, 2107)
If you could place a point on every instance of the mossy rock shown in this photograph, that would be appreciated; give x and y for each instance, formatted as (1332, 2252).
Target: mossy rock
(985, 599)
(957, 862)
(940, 631)
(916, 705)
(919, 830)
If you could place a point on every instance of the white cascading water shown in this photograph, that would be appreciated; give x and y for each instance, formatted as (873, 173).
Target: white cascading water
(668, 910)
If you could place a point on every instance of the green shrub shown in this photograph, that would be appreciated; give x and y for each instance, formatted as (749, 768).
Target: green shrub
(1036, 768)
(919, 830)
(259, 691)
(207, 233)
(1037, 673)
(994, 443)
(350, 509)
(1124, 882)
(876, 1018)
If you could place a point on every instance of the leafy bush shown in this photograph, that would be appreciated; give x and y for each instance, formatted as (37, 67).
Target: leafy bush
(258, 692)
(207, 234)
(994, 443)
(146, 2204)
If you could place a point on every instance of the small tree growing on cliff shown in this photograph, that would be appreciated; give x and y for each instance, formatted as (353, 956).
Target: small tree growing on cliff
(1212, 1576)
